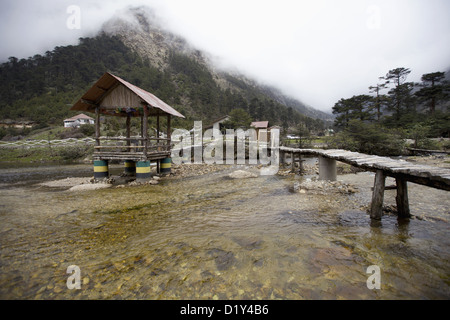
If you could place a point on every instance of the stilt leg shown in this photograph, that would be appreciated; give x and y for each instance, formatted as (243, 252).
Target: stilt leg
(402, 199)
(376, 208)
(327, 169)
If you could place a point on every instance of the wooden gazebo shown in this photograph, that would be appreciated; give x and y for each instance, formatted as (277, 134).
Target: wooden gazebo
(113, 96)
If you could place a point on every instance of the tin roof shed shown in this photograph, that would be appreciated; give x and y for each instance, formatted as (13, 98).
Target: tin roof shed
(117, 97)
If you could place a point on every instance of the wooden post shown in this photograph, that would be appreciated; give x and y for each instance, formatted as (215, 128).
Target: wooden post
(129, 132)
(157, 135)
(376, 208)
(301, 164)
(168, 132)
(327, 169)
(142, 129)
(292, 162)
(282, 157)
(402, 198)
(145, 130)
(97, 126)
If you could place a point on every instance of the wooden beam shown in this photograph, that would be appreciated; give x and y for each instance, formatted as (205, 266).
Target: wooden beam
(376, 207)
(100, 99)
(118, 147)
(168, 127)
(145, 129)
(402, 199)
(97, 126)
(433, 183)
(142, 130)
(128, 129)
(301, 164)
(327, 169)
(89, 102)
(292, 162)
(157, 132)
(121, 139)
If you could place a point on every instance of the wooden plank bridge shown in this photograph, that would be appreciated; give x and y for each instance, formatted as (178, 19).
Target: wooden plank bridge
(401, 170)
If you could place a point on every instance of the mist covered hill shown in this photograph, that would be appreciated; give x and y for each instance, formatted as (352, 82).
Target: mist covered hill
(135, 47)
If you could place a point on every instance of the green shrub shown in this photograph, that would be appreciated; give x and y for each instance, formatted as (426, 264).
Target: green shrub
(88, 130)
(74, 152)
(368, 138)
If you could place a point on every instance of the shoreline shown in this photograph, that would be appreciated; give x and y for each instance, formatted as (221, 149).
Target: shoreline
(310, 170)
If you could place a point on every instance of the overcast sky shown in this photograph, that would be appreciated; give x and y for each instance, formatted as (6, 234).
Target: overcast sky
(316, 50)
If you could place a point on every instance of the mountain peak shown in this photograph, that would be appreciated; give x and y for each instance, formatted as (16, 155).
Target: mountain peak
(140, 29)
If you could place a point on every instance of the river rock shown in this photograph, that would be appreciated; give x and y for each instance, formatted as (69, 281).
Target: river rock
(248, 243)
(241, 174)
(223, 259)
(88, 187)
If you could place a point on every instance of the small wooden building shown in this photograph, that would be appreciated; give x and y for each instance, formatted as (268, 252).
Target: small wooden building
(115, 97)
(218, 123)
(262, 130)
(78, 120)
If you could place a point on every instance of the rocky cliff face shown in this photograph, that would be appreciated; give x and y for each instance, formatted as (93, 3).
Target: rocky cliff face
(141, 30)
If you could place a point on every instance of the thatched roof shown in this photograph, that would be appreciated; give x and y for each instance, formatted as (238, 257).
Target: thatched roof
(117, 97)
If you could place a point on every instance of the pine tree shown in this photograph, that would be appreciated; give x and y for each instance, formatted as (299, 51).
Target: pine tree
(401, 92)
(433, 85)
(380, 100)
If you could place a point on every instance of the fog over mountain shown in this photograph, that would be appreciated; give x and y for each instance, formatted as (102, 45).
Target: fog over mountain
(316, 51)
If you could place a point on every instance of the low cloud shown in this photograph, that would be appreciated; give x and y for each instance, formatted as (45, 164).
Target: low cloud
(317, 51)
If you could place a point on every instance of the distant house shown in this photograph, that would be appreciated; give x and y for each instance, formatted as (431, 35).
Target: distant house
(217, 124)
(260, 125)
(78, 120)
(262, 130)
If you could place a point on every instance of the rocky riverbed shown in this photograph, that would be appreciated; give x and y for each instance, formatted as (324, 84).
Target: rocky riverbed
(200, 234)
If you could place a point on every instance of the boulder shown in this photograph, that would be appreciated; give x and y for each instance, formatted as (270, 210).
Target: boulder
(86, 187)
(241, 174)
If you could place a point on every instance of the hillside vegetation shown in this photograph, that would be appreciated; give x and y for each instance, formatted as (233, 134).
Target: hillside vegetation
(396, 110)
(42, 88)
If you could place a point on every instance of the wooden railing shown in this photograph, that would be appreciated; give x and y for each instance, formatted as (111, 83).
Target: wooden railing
(133, 147)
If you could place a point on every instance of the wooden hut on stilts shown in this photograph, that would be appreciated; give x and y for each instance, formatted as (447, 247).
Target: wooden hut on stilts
(113, 96)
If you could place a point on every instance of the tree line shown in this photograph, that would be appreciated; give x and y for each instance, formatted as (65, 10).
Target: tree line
(394, 109)
(43, 87)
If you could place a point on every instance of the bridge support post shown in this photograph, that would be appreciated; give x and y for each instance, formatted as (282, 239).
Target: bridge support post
(327, 169)
(376, 207)
(143, 171)
(292, 162)
(101, 170)
(301, 164)
(402, 198)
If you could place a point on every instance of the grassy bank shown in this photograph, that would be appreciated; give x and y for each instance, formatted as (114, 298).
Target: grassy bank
(45, 154)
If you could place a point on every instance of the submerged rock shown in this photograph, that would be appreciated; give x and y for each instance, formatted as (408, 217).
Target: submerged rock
(64, 183)
(324, 187)
(223, 259)
(241, 174)
(248, 243)
(86, 187)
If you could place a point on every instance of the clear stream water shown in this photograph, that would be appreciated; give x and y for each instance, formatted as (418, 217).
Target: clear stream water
(212, 237)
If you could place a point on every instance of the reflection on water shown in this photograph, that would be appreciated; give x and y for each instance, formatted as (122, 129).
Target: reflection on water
(211, 237)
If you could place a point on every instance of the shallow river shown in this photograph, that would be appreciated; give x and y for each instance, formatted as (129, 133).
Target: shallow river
(212, 237)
